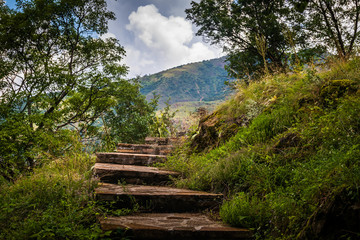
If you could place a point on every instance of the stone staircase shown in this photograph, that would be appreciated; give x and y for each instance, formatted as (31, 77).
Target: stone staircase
(126, 180)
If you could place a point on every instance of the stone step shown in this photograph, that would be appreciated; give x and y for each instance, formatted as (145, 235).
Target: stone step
(115, 173)
(161, 140)
(158, 198)
(144, 148)
(129, 158)
(173, 226)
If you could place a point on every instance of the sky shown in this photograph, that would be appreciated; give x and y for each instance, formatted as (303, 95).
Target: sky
(155, 35)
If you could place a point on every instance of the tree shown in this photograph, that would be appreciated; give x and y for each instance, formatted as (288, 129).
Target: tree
(259, 34)
(131, 119)
(332, 23)
(163, 124)
(237, 25)
(56, 75)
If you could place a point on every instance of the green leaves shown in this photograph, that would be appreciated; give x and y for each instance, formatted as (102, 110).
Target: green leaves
(130, 118)
(333, 24)
(292, 32)
(57, 76)
(53, 203)
(236, 24)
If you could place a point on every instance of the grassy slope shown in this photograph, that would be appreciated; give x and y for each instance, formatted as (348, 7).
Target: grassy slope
(296, 157)
(55, 202)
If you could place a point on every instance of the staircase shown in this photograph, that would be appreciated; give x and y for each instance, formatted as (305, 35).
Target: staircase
(127, 179)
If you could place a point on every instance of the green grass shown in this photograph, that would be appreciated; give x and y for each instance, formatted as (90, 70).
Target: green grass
(298, 154)
(54, 202)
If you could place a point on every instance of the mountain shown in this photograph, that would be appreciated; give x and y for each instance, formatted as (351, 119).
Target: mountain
(196, 82)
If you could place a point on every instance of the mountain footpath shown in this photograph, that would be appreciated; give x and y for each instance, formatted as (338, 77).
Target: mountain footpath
(283, 152)
(163, 212)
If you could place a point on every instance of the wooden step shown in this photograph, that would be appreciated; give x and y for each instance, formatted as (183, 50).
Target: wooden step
(158, 198)
(161, 141)
(115, 173)
(174, 226)
(144, 148)
(129, 158)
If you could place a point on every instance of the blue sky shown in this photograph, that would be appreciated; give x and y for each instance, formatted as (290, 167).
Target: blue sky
(155, 34)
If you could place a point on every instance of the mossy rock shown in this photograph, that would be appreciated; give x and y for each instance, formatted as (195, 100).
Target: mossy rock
(213, 130)
(335, 89)
(227, 131)
(207, 133)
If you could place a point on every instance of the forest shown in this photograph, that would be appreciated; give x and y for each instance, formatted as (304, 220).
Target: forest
(284, 148)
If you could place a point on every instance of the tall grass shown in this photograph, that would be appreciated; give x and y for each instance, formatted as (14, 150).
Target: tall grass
(298, 153)
(54, 202)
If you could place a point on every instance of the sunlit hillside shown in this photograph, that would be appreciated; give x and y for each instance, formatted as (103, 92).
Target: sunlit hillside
(285, 151)
(197, 82)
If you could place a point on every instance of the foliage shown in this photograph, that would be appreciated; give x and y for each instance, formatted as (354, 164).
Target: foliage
(237, 25)
(163, 125)
(56, 201)
(131, 119)
(284, 172)
(276, 35)
(332, 23)
(56, 75)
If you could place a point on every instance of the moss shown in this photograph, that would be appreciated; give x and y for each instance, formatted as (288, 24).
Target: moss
(207, 133)
(296, 149)
(214, 130)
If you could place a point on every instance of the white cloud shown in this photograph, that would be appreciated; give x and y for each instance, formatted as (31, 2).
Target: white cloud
(162, 42)
(140, 63)
(107, 35)
(157, 31)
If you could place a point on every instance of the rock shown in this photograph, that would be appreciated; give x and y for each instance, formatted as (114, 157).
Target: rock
(158, 198)
(144, 148)
(161, 140)
(174, 226)
(110, 168)
(129, 158)
(115, 173)
(213, 130)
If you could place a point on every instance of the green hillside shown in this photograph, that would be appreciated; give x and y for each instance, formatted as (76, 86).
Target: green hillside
(201, 81)
(285, 151)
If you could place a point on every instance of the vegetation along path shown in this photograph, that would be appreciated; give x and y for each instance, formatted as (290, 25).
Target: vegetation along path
(165, 212)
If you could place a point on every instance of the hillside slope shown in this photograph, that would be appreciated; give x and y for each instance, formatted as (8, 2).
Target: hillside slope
(285, 150)
(201, 81)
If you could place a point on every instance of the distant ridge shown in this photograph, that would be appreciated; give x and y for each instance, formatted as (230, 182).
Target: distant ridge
(201, 81)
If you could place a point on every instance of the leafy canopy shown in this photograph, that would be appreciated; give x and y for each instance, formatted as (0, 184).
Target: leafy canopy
(237, 25)
(275, 35)
(332, 23)
(56, 74)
